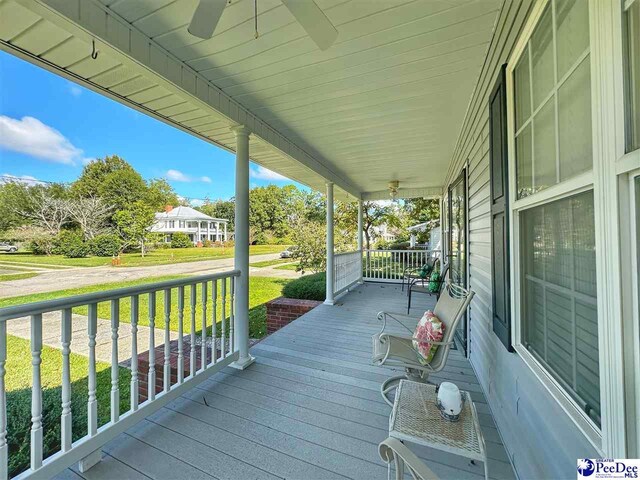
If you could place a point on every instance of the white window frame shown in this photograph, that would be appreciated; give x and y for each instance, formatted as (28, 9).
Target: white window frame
(605, 18)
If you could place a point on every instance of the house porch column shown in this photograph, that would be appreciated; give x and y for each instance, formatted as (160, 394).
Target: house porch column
(241, 250)
(329, 275)
(359, 236)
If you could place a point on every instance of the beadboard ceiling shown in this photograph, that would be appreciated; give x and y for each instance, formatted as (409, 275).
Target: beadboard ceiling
(385, 102)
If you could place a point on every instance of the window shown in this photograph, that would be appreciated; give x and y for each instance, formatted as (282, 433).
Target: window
(559, 314)
(181, 224)
(632, 73)
(171, 224)
(552, 84)
(549, 103)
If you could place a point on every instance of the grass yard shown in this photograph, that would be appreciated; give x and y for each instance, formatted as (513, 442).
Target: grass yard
(261, 290)
(18, 386)
(161, 256)
(288, 266)
(7, 277)
(270, 263)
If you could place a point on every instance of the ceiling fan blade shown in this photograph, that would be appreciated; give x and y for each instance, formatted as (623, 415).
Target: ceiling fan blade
(314, 21)
(206, 17)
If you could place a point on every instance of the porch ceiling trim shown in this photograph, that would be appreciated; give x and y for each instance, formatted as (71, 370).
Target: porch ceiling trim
(90, 20)
(428, 192)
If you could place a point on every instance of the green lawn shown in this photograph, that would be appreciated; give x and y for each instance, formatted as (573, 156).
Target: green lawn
(269, 263)
(17, 276)
(161, 256)
(261, 290)
(18, 386)
(288, 266)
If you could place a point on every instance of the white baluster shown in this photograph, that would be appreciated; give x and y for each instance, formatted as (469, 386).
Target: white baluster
(232, 310)
(151, 376)
(4, 447)
(115, 369)
(192, 360)
(167, 340)
(223, 332)
(180, 333)
(135, 384)
(65, 420)
(92, 403)
(214, 326)
(203, 346)
(36, 392)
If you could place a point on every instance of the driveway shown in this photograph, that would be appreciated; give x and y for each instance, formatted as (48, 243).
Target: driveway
(81, 277)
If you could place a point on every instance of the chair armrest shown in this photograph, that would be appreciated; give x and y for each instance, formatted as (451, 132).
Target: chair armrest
(393, 316)
(392, 449)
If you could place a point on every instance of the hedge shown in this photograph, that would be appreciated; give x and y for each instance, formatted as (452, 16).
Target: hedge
(307, 287)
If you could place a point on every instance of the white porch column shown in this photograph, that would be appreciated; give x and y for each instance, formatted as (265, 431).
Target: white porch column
(241, 252)
(225, 231)
(329, 296)
(360, 234)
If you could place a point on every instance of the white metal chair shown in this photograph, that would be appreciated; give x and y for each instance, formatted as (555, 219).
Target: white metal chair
(393, 450)
(393, 350)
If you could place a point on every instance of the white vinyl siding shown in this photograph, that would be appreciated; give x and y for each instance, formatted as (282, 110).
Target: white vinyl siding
(541, 440)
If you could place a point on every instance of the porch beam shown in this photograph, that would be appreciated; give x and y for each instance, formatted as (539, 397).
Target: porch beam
(330, 286)
(241, 249)
(424, 192)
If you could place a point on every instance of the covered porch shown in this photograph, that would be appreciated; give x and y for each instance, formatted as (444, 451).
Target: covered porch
(309, 407)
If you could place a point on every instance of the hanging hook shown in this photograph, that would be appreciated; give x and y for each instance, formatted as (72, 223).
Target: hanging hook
(255, 16)
(94, 52)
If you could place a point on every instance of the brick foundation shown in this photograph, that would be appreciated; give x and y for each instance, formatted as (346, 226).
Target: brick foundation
(282, 311)
(143, 365)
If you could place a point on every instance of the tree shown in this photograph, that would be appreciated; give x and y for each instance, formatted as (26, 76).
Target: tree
(420, 210)
(133, 225)
(309, 247)
(90, 213)
(14, 196)
(225, 209)
(45, 210)
(112, 179)
(373, 214)
(159, 194)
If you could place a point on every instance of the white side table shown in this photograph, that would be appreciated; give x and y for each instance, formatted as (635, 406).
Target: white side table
(416, 418)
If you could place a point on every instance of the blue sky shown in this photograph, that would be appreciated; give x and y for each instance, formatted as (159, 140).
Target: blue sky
(50, 127)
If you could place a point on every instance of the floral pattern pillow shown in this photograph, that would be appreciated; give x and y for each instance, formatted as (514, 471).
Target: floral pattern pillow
(429, 329)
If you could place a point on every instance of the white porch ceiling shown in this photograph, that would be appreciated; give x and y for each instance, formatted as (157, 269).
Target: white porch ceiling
(385, 102)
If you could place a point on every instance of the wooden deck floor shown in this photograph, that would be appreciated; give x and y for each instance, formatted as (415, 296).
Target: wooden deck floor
(309, 408)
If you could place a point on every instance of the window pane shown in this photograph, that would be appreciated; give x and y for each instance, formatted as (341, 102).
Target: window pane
(542, 58)
(524, 166)
(559, 295)
(544, 148)
(574, 118)
(523, 92)
(572, 32)
(633, 76)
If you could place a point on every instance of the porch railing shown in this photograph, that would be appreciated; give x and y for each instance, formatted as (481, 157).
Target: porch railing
(347, 270)
(389, 265)
(203, 301)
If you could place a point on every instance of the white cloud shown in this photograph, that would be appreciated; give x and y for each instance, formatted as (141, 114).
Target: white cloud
(26, 179)
(32, 137)
(178, 176)
(87, 160)
(266, 174)
(196, 202)
(74, 90)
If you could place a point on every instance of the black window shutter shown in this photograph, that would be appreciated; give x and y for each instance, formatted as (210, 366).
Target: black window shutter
(501, 308)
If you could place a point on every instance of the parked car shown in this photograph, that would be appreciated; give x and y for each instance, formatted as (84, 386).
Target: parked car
(285, 254)
(8, 247)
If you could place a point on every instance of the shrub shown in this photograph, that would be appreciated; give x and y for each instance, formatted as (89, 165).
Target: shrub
(180, 240)
(105, 245)
(42, 245)
(208, 244)
(71, 244)
(307, 287)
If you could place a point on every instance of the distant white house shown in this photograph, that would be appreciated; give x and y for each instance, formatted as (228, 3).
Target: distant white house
(382, 232)
(198, 226)
(434, 239)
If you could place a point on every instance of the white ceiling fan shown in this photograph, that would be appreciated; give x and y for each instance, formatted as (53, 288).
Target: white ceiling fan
(306, 12)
